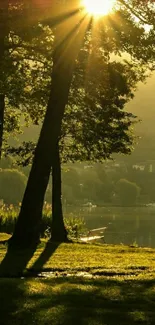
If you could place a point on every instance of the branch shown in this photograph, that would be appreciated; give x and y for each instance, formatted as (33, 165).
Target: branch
(135, 13)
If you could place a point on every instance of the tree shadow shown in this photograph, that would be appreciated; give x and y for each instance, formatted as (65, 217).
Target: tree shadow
(79, 301)
(15, 261)
(14, 282)
(84, 302)
(48, 251)
(10, 294)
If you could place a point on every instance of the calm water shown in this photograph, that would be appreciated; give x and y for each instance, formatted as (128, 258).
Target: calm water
(124, 225)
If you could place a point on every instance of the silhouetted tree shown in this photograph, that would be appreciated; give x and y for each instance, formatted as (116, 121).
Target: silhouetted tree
(120, 33)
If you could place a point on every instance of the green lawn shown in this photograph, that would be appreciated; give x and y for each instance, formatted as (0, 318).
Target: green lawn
(88, 284)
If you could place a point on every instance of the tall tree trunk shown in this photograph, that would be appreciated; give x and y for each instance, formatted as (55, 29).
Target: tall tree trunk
(58, 231)
(27, 229)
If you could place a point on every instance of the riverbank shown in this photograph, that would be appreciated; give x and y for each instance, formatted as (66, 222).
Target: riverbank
(77, 284)
(95, 258)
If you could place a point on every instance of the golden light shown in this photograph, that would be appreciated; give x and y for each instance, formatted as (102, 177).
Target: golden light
(98, 7)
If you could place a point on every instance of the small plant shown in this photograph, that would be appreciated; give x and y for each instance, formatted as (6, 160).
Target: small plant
(75, 226)
(47, 233)
(8, 215)
(134, 244)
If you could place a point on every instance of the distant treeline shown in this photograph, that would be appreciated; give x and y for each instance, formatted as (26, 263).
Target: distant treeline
(116, 183)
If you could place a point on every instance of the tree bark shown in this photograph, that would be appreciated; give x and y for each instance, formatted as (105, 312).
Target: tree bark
(27, 229)
(58, 230)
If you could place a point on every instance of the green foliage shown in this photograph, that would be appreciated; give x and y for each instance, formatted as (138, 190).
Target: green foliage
(96, 124)
(127, 192)
(87, 183)
(23, 67)
(12, 185)
(75, 226)
(95, 183)
(8, 215)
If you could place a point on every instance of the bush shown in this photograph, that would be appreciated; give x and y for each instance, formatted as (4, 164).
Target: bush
(12, 185)
(8, 215)
(75, 226)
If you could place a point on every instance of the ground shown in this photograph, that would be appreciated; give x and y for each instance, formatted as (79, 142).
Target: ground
(77, 284)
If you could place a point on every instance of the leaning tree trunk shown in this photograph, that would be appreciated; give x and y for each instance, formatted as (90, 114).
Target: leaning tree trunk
(27, 229)
(58, 230)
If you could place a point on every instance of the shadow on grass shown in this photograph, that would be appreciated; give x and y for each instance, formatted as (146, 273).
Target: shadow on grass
(10, 293)
(77, 301)
(48, 251)
(15, 261)
(13, 285)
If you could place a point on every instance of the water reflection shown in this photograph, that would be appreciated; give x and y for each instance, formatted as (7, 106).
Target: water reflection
(124, 225)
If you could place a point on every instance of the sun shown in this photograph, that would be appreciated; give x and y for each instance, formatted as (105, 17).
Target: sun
(98, 7)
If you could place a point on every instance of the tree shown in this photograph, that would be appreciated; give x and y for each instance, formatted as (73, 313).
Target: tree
(27, 228)
(21, 72)
(106, 189)
(95, 124)
(98, 126)
(126, 43)
(15, 56)
(12, 185)
(20, 67)
(97, 130)
(127, 192)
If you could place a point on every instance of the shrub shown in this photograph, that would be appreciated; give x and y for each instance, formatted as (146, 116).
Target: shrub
(12, 185)
(8, 215)
(75, 226)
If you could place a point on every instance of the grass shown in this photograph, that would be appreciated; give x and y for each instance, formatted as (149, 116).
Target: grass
(88, 284)
(76, 301)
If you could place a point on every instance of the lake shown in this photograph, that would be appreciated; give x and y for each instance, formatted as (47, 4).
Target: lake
(127, 225)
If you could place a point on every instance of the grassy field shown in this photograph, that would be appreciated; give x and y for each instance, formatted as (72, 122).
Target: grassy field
(77, 284)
